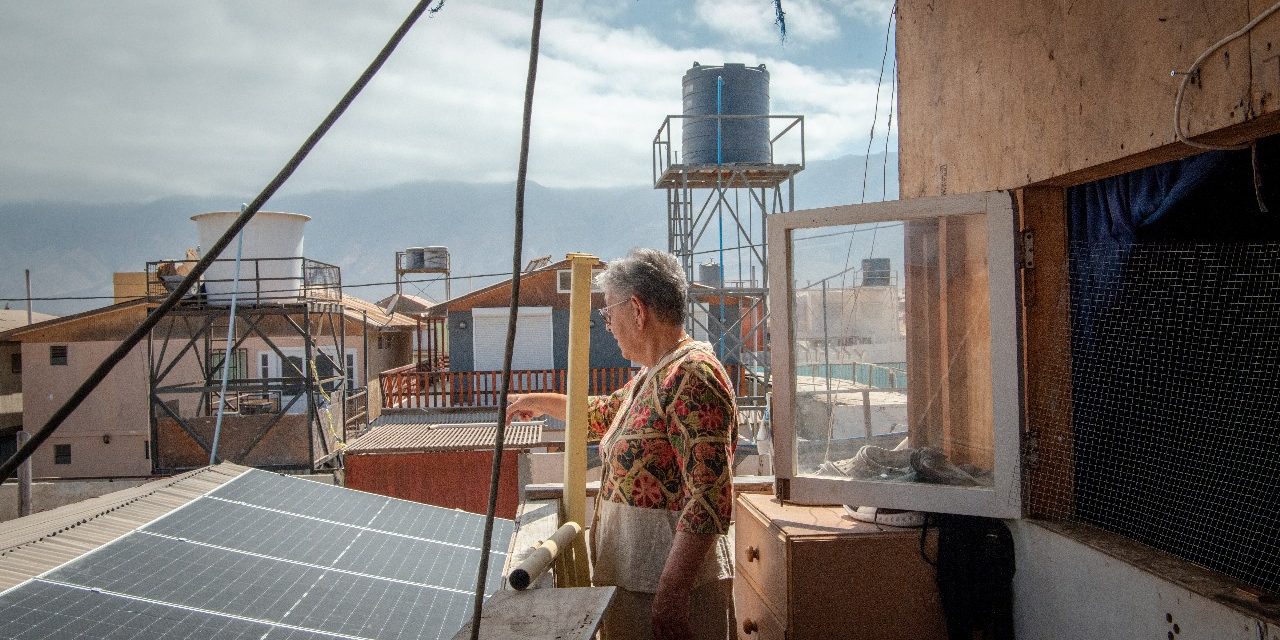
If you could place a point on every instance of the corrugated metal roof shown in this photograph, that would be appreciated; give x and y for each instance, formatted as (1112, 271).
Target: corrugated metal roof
(449, 416)
(405, 438)
(377, 315)
(14, 318)
(37, 543)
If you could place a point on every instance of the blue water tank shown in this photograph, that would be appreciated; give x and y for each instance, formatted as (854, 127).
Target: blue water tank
(745, 91)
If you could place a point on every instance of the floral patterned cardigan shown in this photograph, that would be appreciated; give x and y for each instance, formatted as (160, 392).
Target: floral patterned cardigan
(673, 450)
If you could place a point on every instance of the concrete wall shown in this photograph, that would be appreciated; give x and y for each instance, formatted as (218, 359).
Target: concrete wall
(50, 495)
(1065, 588)
(108, 433)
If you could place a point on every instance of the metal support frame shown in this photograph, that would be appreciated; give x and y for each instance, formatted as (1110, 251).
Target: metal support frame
(191, 329)
(720, 212)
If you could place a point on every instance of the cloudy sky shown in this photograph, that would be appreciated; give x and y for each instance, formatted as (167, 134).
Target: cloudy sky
(132, 100)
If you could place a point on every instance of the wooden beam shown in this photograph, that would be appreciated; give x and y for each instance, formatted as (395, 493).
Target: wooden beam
(575, 459)
(1046, 355)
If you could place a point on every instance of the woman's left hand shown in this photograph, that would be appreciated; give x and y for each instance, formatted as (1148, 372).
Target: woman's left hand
(670, 614)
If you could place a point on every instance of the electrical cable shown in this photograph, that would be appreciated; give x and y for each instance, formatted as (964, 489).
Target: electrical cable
(888, 129)
(1194, 71)
(875, 115)
(516, 260)
(98, 375)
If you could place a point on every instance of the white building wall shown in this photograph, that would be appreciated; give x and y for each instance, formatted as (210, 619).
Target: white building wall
(1064, 588)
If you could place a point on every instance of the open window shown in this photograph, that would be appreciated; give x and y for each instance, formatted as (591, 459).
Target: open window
(896, 365)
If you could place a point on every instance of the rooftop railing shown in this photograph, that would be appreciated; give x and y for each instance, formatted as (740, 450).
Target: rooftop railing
(262, 281)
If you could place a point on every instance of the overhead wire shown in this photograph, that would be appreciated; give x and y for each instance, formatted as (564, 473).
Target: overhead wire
(888, 129)
(517, 248)
(285, 290)
(875, 116)
(183, 288)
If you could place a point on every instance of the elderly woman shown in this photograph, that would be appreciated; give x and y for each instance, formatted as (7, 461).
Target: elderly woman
(667, 440)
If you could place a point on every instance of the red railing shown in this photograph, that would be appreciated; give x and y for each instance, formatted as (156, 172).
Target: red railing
(406, 387)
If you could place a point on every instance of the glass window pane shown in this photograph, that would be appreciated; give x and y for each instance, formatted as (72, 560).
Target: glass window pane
(892, 351)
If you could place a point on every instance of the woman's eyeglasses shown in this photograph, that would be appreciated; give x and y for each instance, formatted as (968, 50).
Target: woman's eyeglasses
(604, 311)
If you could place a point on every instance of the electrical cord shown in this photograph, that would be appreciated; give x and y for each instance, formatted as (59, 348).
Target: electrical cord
(516, 260)
(98, 375)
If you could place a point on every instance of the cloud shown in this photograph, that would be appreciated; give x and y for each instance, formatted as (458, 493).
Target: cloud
(871, 12)
(142, 99)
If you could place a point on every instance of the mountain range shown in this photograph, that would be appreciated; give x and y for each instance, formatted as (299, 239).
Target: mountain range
(72, 248)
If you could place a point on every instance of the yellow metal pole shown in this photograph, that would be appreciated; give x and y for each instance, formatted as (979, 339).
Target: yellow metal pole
(575, 438)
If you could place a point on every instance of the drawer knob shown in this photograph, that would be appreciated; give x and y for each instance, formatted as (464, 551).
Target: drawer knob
(749, 626)
(753, 553)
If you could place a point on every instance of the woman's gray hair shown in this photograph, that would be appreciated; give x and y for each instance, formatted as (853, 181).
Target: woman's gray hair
(655, 277)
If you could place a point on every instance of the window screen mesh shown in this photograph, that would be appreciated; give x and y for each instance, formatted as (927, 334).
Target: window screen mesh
(1173, 410)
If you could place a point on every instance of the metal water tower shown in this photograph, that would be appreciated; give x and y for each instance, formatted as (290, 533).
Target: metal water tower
(423, 260)
(727, 164)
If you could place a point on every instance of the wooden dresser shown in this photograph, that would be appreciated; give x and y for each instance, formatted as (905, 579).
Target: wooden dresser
(813, 572)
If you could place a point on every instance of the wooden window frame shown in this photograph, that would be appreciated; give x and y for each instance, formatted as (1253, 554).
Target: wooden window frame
(1003, 499)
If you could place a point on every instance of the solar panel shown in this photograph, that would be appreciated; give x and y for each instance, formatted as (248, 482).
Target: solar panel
(303, 497)
(256, 530)
(269, 557)
(313, 499)
(45, 611)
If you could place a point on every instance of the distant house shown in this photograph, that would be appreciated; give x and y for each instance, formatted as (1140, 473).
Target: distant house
(477, 325)
(11, 378)
(114, 433)
(476, 328)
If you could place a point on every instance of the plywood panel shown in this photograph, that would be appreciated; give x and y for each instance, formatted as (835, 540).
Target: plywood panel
(1264, 56)
(998, 94)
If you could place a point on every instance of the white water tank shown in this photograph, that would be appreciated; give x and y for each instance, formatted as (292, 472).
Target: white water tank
(414, 258)
(426, 259)
(269, 234)
(435, 258)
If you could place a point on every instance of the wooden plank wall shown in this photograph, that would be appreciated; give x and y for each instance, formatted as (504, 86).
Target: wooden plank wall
(999, 94)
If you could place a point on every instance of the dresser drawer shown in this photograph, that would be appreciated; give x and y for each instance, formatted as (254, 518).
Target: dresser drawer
(755, 620)
(760, 554)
